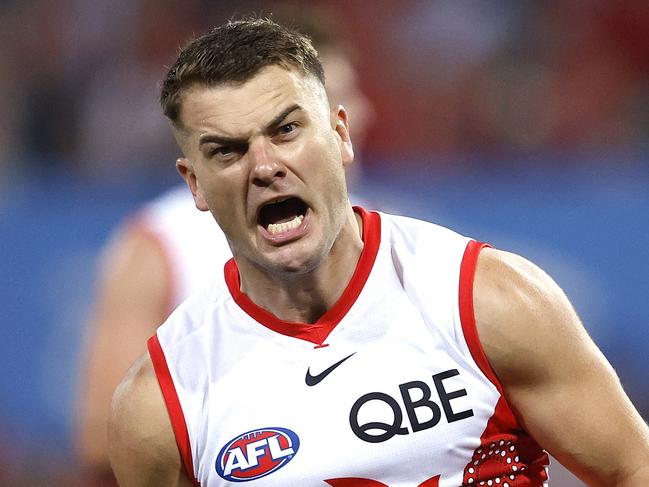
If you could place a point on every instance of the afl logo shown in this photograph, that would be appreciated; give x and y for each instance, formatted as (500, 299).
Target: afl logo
(256, 454)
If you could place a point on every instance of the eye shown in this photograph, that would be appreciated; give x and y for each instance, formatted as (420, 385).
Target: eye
(287, 128)
(226, 153)
(222, 151)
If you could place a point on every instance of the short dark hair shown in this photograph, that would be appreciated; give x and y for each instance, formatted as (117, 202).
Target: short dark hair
(234, 53)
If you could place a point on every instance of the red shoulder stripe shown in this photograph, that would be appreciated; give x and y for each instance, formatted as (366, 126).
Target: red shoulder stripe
(467, 316)
(173, 405)
(506, 451)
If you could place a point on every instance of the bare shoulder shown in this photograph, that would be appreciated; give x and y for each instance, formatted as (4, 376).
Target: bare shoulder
(523, 316)
(142, 446)
(553, 374)
(136, 397)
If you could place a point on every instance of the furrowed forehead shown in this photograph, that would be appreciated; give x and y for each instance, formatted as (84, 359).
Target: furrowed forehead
(248, 106)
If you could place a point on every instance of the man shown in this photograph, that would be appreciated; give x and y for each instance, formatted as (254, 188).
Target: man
(168, 250)
(343, 347)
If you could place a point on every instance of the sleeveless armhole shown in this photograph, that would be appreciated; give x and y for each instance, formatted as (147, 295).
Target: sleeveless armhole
(467, 316)
(503, 425)
(173, 405)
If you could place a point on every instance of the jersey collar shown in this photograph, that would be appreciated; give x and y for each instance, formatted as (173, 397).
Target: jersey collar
(319, 331)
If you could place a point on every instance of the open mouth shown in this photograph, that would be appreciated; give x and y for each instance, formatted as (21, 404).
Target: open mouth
(282, 216)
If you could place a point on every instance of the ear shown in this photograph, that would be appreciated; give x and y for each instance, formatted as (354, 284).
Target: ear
(340, 123)
(186, 171)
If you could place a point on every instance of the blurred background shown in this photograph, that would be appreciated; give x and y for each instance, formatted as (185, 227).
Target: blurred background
(521, 123)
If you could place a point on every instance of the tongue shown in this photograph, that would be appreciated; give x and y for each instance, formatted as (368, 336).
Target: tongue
(281, 212)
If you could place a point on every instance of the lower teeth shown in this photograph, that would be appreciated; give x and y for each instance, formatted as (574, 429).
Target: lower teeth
(286, 226)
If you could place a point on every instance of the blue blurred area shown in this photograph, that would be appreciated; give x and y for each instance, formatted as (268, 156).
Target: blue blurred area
(587, 227)
(51, 229)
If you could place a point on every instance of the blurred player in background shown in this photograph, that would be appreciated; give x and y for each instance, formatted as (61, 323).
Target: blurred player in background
(169, 249)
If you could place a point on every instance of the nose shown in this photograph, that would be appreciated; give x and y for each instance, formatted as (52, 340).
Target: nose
(266, 166)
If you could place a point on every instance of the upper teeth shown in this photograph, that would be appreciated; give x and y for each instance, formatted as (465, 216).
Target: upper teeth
(286, 226)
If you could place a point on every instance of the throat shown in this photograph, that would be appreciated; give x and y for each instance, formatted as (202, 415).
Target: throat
(301, 299)
(304, 295)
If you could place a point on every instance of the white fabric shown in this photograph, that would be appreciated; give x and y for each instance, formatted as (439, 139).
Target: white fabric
(234, 375)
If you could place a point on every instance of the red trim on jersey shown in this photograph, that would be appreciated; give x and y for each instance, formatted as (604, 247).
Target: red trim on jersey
(140, 224)
(354, 482)
(319, 331)
(358, 482)
(173, 405)
(506, 452)
(431, 482)
(467, 317)
(505, 449)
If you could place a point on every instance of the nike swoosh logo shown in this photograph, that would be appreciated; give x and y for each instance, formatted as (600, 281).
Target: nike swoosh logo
(312, 380)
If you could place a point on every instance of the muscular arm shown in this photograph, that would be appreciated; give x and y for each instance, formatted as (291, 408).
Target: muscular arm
(141, 444)
(559, 384)
(132, 301)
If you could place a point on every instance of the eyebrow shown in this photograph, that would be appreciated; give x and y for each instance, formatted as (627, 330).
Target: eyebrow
(279, 118)
(222, 140)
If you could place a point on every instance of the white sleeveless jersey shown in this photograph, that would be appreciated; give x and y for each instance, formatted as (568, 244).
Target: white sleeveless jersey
(389, 388)
(194, 247)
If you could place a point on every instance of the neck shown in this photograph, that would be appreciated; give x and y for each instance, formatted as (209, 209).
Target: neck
(304, 298)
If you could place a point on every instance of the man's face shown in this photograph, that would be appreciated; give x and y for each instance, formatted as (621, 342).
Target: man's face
(267, 158)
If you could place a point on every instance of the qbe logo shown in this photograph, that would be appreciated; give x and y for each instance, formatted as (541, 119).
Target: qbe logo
(256, 454)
